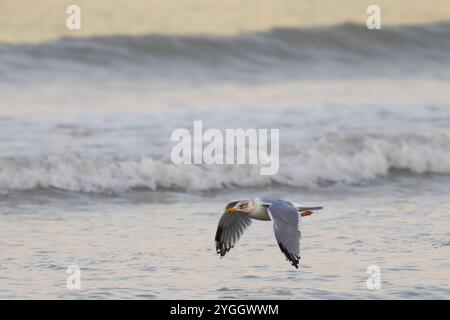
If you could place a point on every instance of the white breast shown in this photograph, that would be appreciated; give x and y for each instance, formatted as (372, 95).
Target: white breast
(259, 213)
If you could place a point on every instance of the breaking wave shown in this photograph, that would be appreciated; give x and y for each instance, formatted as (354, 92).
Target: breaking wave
(338, 160)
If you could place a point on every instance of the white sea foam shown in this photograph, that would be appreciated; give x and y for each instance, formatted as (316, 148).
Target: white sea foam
(343, 160)
(349, 106)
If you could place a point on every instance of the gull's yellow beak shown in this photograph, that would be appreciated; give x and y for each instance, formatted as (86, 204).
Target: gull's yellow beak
(231, 210)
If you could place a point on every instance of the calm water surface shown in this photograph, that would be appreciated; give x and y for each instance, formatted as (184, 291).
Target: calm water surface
(160, 245)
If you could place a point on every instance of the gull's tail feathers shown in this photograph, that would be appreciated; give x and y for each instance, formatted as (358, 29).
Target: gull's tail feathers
(306, 211)
(309, 208)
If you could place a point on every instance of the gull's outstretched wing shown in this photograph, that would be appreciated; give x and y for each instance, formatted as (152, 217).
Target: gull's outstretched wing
(285, 220)
(230, 228)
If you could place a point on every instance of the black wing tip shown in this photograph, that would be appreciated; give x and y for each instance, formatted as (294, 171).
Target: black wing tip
(220, 246)
(222, 249)
(293, 258)
(218, 234)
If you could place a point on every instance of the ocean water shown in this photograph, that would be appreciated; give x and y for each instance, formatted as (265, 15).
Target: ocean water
(86, 177)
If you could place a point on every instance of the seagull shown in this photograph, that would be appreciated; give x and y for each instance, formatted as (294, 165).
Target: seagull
(238, 216)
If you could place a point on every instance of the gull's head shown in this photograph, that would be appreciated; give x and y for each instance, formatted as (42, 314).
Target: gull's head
(243, 206)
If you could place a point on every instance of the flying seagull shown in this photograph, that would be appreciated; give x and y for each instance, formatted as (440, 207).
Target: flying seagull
(285, 219)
